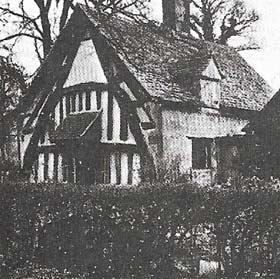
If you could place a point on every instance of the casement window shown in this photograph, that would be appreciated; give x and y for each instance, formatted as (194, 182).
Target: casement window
(124, 125)
(68, 104)
(61, 110)
(130, 168)
(46, 166)
(201, 153)
(210, 93)
(55, 167)
(80, 102)
(88, 100)
(117, 168)
(110, 116)
(68, 170)
(98, 99)
(73, 103)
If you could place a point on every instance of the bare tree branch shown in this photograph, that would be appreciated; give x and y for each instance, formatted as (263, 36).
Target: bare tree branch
(40, 28)
(231, 17)
(21, 34)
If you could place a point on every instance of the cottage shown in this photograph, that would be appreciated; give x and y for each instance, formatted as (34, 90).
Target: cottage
(119, 102)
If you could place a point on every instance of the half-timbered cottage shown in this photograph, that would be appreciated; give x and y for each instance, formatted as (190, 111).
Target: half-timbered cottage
(119, 102)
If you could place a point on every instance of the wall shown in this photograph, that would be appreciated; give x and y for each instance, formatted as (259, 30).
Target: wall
(179, 127)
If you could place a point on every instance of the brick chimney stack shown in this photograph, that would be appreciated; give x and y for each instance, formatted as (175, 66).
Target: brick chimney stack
(176, 14)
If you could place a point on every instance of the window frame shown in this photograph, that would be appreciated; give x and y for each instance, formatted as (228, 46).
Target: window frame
(202, 153)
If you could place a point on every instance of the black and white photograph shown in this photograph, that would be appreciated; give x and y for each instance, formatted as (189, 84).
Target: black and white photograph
(139, 139)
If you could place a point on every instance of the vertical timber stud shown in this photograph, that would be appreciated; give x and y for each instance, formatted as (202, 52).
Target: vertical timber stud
(116, 118)
(93, 104)
(51, 166)
(124, 168)
(113, 169)
(41, 162)
(110, 116)
(59, 168)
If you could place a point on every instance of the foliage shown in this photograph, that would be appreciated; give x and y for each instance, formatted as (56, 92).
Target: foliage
(12, 87)
(12, 84)
(35, 271)
(152, 231)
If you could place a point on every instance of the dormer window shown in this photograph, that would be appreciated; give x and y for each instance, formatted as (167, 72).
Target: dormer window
(201, 76)
(210, 91)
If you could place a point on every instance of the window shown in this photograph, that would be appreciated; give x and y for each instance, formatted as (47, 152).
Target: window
(68, 169)
(68, 104)
(98, 99)
(201, 153)
(73, 103)
(124, 124)
(210, 93)
(61, 110)
(88, 97)
(80, 102)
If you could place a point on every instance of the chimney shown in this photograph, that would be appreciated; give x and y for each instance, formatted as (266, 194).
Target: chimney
(176, 14)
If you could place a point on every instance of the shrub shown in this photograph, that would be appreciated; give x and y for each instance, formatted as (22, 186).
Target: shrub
(35, 271)
(152, 231)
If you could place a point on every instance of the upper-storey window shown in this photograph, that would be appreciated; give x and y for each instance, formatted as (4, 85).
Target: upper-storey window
(88, 100)
(210, 93)
(210, 88)
(201, 76)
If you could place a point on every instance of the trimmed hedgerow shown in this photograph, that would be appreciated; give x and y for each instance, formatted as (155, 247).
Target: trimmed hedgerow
(160, 231)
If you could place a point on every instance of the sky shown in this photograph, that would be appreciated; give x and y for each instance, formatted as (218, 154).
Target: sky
(265, 61)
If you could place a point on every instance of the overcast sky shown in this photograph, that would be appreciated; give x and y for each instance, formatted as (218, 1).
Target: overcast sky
(266, 60)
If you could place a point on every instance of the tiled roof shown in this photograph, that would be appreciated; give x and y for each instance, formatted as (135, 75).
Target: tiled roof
(268, 118)
(151, 52)
(193, 66)
(75, 126)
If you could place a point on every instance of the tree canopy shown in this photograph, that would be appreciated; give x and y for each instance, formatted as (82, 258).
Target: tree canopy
(221, 20)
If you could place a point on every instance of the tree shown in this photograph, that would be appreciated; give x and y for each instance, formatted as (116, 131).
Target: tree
(12, 86)
(220, 20)
(43, 28)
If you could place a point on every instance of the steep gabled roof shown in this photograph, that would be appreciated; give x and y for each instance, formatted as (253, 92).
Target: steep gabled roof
(151, 52)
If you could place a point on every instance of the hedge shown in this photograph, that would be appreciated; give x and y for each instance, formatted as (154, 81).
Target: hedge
(160, 231)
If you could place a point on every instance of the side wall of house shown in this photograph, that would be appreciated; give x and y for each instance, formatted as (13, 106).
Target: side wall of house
(181, 128)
